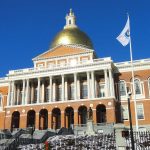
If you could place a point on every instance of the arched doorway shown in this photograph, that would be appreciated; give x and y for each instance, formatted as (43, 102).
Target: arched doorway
(43, 119)
(56, 118)
(101, 113)
(82, 115)
(31, 118)
(15, 120)
(69, 117)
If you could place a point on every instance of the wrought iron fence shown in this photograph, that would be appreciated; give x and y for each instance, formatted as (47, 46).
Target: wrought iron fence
(141, 141)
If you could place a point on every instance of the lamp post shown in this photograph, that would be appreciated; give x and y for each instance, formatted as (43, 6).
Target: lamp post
(130, 120)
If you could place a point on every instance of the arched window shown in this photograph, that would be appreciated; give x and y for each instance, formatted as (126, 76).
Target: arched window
(0, 100)
(122, 88)
(149, 85)
(138, 88)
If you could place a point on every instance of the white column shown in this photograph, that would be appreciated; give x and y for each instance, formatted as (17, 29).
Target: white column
(78, 87)
(106, 83)
(50, 88)
(38, 91)
(88, 84)
(92, 84)
(9, 93)
(43, 92)
(12, 93)
(75, 86)
(27, 92)
(63, 87)
(54, 91)
(66, 90)
(32, 93)
(23, 92)
(111, 83)
(18, 93)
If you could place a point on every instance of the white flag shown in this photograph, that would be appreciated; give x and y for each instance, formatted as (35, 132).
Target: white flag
(124, 37)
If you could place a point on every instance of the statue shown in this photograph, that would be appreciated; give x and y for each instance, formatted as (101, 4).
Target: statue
(90, 114)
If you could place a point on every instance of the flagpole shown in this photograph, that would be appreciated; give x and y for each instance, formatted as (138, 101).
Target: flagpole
(133, 84)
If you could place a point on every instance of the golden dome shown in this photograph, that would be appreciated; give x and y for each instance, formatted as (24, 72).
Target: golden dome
(72, 35)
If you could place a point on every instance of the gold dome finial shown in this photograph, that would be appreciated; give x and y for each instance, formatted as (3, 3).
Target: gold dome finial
(70, 12)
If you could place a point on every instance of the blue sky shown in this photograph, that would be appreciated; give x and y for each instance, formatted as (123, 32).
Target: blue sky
(27, 28)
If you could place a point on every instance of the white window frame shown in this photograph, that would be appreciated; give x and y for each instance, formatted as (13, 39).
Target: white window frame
(82, 89)
(149, 85)
(138, 96)
(140, 104)
(84, 60)
(124, 97)
(101, 90)
(127, 113)
(72, 91)
(1, 103)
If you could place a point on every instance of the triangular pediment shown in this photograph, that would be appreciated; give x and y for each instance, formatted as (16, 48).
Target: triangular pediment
(63, 50)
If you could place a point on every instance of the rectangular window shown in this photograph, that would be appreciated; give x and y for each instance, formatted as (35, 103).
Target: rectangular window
(84, 91)
(125, 112)
(0, 100)
(140, 111)
(47, 94)
(101, 90)
(35, 96)
(84, 59)
(59, 93)
(122, 88)
(72, 91)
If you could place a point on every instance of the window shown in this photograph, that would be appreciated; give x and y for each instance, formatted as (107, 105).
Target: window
(122, 88)
(51, 65)
(138, 90)
(72, 91)
(84, 91)
(84, 59)
(0, 100)
(59, 92)
(35, 95)
(140, 111)
(101, 90)
(70, 21)
(125, 113)
(40, 65)
(62, 63)
(47, 92)
(149, 86)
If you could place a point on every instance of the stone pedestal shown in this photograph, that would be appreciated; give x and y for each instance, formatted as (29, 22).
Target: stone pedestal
(120, 141)
(90, 128)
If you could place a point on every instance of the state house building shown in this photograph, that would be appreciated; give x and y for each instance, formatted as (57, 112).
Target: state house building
(68, 79)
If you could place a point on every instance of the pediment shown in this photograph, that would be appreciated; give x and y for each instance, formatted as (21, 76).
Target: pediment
(62, 50)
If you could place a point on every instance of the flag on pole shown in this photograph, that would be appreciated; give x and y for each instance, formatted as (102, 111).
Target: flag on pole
(124, 37)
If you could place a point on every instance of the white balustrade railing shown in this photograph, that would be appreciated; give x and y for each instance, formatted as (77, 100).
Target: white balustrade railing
(64, 66)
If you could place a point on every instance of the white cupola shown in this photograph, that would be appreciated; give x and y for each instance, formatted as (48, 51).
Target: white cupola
(70, 20)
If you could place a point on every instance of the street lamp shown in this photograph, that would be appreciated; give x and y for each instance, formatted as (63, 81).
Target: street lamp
(130, 120)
